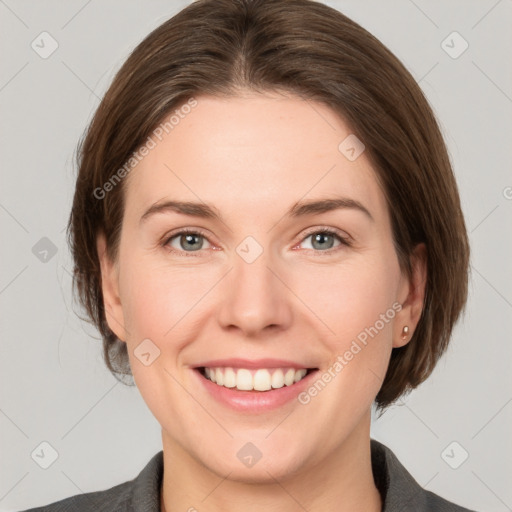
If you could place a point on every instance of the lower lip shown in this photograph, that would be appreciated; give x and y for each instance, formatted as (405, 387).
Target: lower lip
(255, 401)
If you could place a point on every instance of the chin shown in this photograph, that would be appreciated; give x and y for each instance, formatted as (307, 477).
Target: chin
(263, 472)
(255, 463)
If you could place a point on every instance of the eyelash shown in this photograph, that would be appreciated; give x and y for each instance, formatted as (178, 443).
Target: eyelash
(344, 240)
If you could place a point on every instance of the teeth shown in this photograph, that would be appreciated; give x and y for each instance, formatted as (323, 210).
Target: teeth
(277, 380)
(243, 380)
(229, 378)
(289, 377)
(262, 380)
(258, 380)
(298, 375)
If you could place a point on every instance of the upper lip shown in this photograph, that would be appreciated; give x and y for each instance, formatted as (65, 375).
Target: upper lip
(254, 363)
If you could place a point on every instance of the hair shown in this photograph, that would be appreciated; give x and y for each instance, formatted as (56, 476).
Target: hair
(300, 47)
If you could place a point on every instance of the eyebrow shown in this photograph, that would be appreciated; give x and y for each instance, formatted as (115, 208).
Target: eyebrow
(299, 209)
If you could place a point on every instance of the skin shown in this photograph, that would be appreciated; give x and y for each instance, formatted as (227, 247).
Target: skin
(253, 156)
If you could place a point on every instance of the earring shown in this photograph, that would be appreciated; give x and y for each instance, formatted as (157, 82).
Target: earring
(405, 332)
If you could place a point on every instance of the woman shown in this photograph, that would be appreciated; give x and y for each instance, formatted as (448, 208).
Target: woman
(268, 235)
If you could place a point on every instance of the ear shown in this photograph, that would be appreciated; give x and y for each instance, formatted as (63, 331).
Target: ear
(110, 290)
(411, 295)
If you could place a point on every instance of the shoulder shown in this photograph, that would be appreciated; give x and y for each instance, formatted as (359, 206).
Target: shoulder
(433, 502)
(116, 498)
(140, 493)
(400, 490)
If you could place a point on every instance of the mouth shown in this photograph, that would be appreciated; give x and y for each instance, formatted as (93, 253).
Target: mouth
(254, 386)
(259, 380)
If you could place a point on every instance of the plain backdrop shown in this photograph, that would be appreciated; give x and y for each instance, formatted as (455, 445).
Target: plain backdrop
(452, 433)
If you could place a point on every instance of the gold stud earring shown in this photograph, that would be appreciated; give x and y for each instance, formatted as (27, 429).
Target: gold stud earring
(405, 332)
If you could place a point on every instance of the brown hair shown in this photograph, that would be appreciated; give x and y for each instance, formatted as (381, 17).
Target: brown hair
(221, 47)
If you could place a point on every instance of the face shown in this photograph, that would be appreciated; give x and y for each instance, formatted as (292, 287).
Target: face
(269, 279)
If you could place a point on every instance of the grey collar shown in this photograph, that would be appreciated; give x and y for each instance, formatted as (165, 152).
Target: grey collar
(399, 490)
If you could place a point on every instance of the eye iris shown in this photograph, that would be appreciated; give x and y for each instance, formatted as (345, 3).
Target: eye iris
(320, 237)
(190, 239)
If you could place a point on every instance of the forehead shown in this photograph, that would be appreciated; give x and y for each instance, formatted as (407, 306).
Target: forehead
(255, 154)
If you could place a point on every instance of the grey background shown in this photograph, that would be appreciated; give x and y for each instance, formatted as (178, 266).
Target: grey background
(54, 386)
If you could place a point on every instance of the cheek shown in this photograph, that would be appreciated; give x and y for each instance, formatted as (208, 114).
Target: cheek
(346, 298)
(158, 299)
(350, 298)
(358, 304)
(159, 304)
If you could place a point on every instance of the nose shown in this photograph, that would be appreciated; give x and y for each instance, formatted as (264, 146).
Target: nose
(255, 298)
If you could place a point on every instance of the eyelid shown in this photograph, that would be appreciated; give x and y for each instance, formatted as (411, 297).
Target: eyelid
(326, 229)
(344, 238)
(181, 231)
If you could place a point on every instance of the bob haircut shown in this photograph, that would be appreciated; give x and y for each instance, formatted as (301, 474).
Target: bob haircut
(302, 47)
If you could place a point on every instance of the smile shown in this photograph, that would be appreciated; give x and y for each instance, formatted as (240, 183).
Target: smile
(254, 379)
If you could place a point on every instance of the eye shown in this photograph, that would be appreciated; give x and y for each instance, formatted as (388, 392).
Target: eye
(323, 240)
(187, 241)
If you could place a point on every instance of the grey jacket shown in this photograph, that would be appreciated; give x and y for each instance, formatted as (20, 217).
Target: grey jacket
(401, 493)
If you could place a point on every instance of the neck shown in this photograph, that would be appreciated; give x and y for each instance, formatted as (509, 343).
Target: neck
(342, 482)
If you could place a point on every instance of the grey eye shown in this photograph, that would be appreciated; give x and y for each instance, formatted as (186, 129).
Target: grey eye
(322, 240)
(188, 242)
